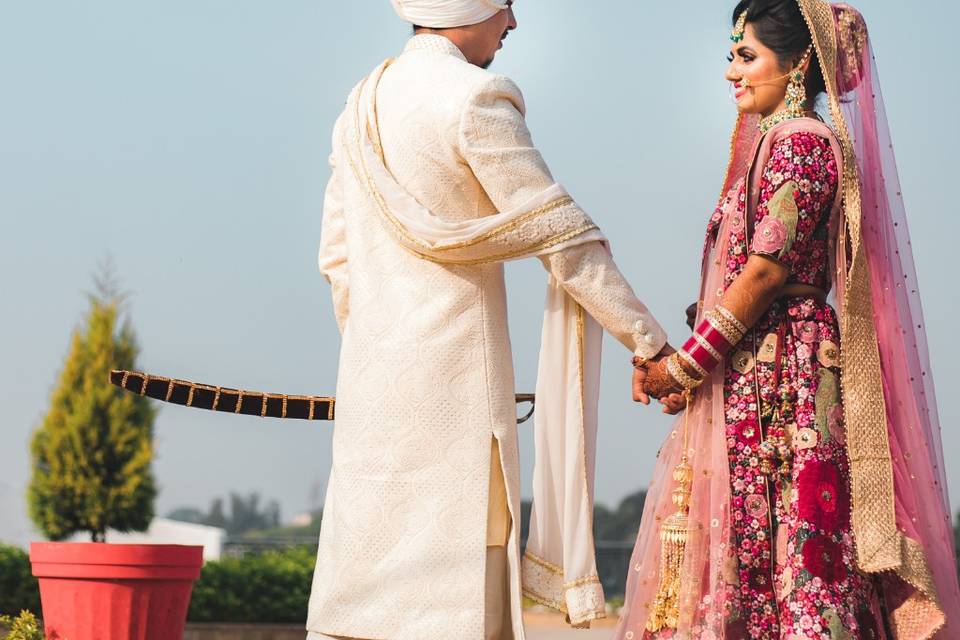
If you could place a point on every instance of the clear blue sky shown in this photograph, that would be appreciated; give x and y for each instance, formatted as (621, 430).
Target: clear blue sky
(188, 139)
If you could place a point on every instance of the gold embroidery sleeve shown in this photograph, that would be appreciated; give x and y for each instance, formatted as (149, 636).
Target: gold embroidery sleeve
(588, 273)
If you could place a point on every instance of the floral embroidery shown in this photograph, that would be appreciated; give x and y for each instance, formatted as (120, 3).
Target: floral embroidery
(829, 354)
(835, 424)
(771, 236)
(806, 439)
(743, 361)
(808, 332)
(777, 232)
(823, 499)
(794, 576)
(768, 350)
(821, 557)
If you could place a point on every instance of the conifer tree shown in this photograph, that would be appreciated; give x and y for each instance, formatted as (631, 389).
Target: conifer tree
(92, 454)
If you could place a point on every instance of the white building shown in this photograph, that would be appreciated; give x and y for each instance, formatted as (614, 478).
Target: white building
(164, 531)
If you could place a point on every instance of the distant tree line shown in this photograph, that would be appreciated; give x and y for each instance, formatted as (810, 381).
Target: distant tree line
(244, 515)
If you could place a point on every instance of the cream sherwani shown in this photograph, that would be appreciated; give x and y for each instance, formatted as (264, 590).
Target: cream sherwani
(426, 379)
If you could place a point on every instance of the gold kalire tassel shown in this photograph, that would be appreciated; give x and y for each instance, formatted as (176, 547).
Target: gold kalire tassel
(674, 532)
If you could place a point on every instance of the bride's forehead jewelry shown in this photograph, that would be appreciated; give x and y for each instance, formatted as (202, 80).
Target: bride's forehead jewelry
(739, 28)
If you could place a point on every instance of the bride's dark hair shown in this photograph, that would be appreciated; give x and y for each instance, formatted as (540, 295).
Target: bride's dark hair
(780, 26)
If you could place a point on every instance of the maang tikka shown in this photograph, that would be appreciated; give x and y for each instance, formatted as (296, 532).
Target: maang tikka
(739, 27)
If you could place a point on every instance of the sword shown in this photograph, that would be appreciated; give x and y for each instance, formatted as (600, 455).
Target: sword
(248, 403)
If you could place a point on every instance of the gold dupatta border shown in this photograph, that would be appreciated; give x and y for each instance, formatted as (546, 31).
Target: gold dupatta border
(543, 581)
(880, 544)
(419, 248)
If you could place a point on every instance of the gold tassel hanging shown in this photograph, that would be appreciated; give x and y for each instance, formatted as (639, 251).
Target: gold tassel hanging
(674, 532)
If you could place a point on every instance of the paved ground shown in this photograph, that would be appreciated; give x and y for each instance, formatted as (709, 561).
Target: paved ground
(569, 634)
(542, 625)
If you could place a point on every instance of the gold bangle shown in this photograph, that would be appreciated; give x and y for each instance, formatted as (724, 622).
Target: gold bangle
(727, 330)
(681, 376)
(730, 325)
(726, 313)
(693, 363)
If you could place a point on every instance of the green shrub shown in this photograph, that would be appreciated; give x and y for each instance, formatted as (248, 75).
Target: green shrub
(92, 455)
(272, 587)
(23, 627)
(18, 587)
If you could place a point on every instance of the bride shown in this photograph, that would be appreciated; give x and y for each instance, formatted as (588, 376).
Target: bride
(802, 492)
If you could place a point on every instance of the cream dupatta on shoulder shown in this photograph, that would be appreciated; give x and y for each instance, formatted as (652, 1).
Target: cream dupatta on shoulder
(559, 567)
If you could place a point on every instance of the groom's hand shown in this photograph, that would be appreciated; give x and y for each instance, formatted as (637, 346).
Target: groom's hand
(639, 379)
(673, 404)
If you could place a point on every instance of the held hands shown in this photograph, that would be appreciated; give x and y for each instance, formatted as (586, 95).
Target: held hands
(644, 385)
(662, 385)
(652, 378)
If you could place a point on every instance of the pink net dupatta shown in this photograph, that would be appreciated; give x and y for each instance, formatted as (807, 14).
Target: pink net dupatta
(901, 514)
(902, 517)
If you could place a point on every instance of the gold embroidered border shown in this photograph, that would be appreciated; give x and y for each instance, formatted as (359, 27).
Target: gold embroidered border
(528, 250)
(582, 581)
(868, 448)
(552, 568)
(880, 544)
(420, 248)
(581, 600)
(542, 582)
(585, 602)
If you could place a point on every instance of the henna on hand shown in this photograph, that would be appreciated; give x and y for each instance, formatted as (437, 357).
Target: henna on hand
(659, 382)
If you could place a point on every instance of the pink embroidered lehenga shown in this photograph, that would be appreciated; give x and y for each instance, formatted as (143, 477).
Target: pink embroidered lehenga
(818, 504)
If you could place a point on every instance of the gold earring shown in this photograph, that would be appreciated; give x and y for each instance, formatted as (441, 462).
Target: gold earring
(796, 94)
(796, 88)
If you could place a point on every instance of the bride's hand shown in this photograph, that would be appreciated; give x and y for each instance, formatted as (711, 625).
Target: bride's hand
(659, 383)
(692, 315)
(673, 404)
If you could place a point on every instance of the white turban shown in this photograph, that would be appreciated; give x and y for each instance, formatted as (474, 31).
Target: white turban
(444, 14)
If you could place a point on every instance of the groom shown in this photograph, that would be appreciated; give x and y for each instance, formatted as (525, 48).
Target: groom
(435, 184)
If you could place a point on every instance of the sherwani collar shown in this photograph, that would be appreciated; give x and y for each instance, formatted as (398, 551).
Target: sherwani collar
(434, 43)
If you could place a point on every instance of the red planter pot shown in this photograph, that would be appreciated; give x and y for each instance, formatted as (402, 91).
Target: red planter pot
(96, 591)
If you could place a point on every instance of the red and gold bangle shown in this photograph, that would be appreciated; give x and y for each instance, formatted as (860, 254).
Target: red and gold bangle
(704, 345)
(717, 334)
(696, 366)
(702, 351)
(726, 328)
